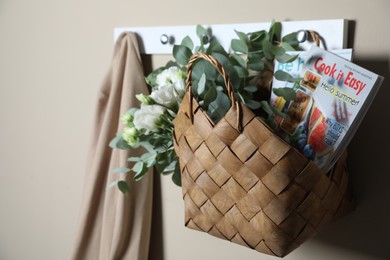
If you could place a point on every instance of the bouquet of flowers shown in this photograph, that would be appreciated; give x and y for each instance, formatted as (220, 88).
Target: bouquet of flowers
(250, 65)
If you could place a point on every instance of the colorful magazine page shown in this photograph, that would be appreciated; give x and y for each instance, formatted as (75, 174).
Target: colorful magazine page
(331, 99)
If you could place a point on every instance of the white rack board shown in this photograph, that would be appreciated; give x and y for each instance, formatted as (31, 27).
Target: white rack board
(334, 32)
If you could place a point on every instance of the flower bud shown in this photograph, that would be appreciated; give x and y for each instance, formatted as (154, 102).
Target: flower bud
(130, 135)
(127, 119)
(145, 99)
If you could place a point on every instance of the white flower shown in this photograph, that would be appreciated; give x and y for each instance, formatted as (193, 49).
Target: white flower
(172, 76)
(166, 96)
(147, 117)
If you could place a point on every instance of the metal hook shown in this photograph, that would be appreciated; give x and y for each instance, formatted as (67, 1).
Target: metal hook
(164, 39)
(302, 35)
(307, 35)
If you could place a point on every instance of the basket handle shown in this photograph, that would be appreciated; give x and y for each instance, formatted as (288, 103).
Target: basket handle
(226, 78)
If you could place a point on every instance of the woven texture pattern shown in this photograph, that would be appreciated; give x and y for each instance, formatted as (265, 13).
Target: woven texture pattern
(244, 184)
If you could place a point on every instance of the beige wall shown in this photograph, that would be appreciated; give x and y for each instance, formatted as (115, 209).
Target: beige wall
(53, 56)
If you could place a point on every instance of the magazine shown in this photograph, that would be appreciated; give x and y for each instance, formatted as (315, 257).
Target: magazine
(332, 97)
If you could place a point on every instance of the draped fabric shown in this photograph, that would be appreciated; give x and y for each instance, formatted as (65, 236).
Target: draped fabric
(111, 225)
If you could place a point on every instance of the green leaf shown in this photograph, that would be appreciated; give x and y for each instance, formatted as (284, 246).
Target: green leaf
(200, 31)
(115, 140)
(276, 50)
(211, 95)
(149, 159)
(275, 31)
(133, 159)
(257, 36)
(176, 176)
(225, 62)
(124, 187)
(281, 55)
(284, 76)
(112, 184)
(277, 112)
(215, 47)
(203, 67)
(288, 47)
(187, 42)
(201, 84)
(146, 144)
(182, 54)
(266, 107)
(287, 93)
(163, 159)
(138, 176)
(240, 97)
(239, 46)
(250, 88)
(255, 61)
(257, 39)
(267, 50)
(256, 64)
(121, 170)
(271, 121)
(241, 72)
(169, 168)
(132, 110)
(138, 167)
(119, 143)
(253, 104)
(237, 60)
(159, 167)
(286, 58)
(243, 36)
(219, 107)
(151, 78)
(291, 39)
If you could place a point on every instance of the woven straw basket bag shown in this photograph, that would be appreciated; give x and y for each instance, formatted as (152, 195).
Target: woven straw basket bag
(242, 183)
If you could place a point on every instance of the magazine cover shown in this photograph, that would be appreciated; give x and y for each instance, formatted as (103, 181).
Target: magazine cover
(332, 96)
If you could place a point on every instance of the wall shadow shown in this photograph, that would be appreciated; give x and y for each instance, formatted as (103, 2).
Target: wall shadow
(366, 230)
(156, 246)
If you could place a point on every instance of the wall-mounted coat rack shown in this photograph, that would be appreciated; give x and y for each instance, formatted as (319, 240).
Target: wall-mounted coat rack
(160, 39)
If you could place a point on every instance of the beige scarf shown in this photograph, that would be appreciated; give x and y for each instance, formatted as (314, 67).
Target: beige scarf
(112, 226)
